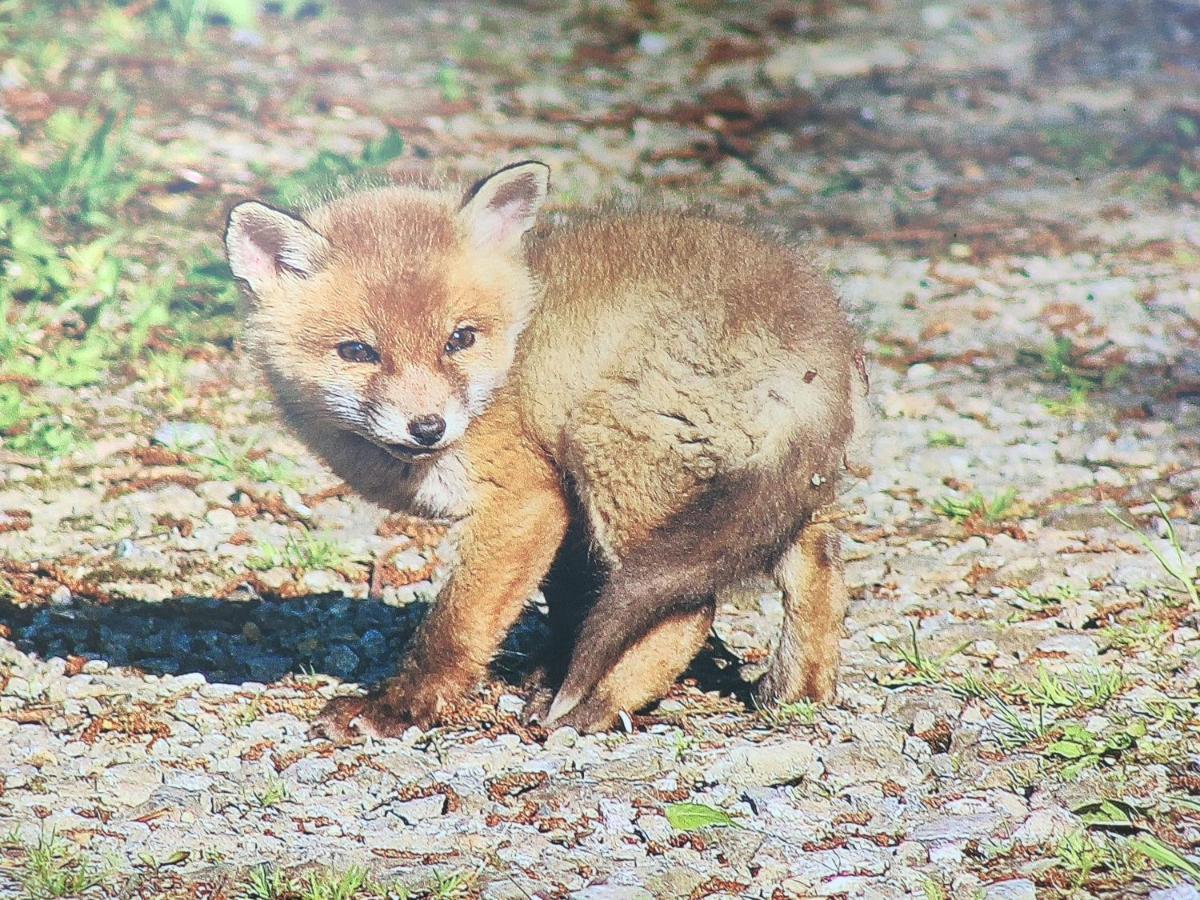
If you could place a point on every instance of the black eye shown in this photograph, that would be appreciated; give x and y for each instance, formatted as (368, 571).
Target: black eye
(460, 339)
(357, 352)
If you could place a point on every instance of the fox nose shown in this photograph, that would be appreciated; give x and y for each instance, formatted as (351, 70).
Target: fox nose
(428, 430)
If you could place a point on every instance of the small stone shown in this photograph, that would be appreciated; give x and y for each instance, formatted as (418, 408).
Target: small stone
(341, 661)
(923, 721)
(312, 769)
(921, 373)
(320, 582)
(263, 667)
(1076, 646)
(292, 500)
(956, 828)
(765, 765)
(917, 750)
(412, 811)
(511, 704)
(1045, 826)
(562, 738)
(184, 435)
(946, 855)
(1176, 892)
(1015, 889)
(218, 493)
(652, 43)
(221, 518)
(911, 853)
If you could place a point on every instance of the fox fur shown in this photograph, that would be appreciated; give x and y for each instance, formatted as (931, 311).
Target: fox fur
(632, 411)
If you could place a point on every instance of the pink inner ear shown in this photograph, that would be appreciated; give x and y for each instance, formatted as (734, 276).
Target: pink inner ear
(506, 221)
(256, 263)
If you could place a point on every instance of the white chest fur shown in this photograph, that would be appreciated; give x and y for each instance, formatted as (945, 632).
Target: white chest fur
(443, 488)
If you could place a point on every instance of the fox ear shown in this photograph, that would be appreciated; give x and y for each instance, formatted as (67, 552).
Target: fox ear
(502, 207)
(264, 245)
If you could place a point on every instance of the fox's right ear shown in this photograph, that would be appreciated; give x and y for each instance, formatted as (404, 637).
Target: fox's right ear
(502, 207)
(265, 246)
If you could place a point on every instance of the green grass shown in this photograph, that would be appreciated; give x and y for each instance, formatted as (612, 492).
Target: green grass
(84, 182)
(273, 793)
(228, 462)
(1086, 689)
(455, 886)
(801, 712)
(1182, 571)
(190, 20)
(1077, 147)
(53, 868)
(304, 552)
(1058, 361)
(449, 80)
(78, 308)
(1082, 750)
(1018, 706)
(945, 439)
(1085, 855)
(1143, 634)
(69, 316)
(266, 882)
(993, 509)
(1031, 603)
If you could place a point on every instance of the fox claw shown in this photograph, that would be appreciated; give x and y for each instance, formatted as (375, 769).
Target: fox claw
(347, 720)
(403, 702)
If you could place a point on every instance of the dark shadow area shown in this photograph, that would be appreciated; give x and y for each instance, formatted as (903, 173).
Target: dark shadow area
(230, 641)
(264, 639)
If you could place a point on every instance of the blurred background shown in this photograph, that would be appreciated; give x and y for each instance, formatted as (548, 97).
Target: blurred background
(959, 129)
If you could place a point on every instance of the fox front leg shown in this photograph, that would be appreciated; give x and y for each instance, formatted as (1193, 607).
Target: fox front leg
(506, 549)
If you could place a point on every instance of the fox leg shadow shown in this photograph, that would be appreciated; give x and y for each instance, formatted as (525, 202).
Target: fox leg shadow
(570, 589)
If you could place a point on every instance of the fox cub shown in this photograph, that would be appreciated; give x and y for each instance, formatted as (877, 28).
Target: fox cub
(633, 412)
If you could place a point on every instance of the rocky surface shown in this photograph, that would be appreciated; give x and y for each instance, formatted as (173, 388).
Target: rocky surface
(1000, 193)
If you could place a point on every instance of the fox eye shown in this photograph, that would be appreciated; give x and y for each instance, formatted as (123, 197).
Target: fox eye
(357, 352)
(460, 339)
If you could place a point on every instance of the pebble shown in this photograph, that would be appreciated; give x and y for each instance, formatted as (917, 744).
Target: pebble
(184, 435)
(1016, 889)
(764, 765)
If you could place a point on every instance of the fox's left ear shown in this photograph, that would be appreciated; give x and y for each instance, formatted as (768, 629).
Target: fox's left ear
(502, 207)
(265, 245)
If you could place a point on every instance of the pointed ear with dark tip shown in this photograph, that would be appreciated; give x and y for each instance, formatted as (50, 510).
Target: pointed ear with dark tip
(502, 207)
(265, 245)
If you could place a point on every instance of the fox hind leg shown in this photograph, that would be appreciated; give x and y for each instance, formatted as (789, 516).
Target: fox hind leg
(805, 663)
(646, 671)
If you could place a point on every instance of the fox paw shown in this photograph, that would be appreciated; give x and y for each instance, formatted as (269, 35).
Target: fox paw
(539, 694)
(404, 701)
(596, 712)
(781, 684)
(537, 706)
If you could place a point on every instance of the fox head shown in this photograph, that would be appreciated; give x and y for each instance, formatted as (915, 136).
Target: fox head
(391, 314)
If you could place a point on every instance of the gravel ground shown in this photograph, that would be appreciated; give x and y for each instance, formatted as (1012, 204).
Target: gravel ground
(998, 191)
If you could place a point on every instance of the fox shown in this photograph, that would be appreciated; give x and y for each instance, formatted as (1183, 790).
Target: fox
(630, 410)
